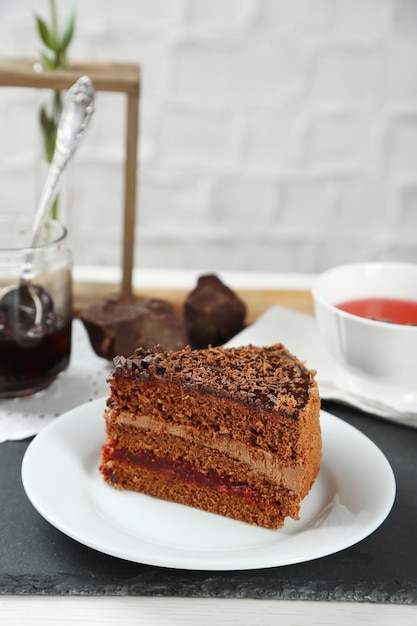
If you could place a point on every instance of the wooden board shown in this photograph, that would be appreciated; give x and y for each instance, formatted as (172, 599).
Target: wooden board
(256, 300)
(114, 77)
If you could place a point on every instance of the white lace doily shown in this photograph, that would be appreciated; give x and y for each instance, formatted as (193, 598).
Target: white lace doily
(84, 380)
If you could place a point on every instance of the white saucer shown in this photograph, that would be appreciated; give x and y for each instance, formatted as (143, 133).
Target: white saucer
(298, 332)
(351, 497)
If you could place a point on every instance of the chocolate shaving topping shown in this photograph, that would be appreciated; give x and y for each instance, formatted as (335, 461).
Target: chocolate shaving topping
(270, 377)
(147, 360)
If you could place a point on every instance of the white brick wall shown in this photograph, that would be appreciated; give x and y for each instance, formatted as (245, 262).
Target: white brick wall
(276, 135)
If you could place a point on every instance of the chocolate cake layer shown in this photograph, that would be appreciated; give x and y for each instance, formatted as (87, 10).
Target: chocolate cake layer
(173, 440)
(209, 492)
(268, 378)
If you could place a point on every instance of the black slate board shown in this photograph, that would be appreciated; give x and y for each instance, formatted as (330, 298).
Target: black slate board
(35, 558)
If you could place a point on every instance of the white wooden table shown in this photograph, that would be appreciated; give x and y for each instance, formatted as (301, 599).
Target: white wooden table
(138, 611)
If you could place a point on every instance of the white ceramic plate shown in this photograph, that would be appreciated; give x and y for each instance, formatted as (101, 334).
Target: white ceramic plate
(351, 497)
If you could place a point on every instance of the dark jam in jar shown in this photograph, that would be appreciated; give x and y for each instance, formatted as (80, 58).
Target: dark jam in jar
(31, 358)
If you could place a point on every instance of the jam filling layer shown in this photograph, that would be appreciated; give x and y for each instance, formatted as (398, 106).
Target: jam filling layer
(178, 469)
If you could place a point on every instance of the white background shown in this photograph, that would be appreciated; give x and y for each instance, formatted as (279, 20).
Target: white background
(276, 135)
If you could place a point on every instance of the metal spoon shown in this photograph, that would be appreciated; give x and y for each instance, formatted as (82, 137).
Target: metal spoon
(23, 303)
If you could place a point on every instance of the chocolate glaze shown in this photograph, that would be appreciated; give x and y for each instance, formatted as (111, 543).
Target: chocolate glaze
(265, 378)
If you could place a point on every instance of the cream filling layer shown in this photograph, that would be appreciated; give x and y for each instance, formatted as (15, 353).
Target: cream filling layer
(263, 462)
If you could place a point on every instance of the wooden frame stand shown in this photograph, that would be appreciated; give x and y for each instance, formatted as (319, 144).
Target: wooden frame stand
(115, 77)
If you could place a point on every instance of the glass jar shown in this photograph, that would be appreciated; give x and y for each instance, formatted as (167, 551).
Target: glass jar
(36, 312)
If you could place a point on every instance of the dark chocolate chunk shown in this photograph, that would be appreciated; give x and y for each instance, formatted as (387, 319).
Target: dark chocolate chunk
(120, 324)
(213, 313)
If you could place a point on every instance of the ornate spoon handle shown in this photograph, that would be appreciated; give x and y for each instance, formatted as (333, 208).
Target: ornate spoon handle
(75, 118)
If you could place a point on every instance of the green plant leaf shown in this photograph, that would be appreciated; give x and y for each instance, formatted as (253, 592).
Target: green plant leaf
(68, 33)
(57, 104)
(50, 139)
(45, 34)
(50, 143)
(55, 208)
(49, 127)
(43, 119)
(47, 62)
(54, 16)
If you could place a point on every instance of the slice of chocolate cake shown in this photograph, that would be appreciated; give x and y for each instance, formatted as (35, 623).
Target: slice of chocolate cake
(233, 431)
